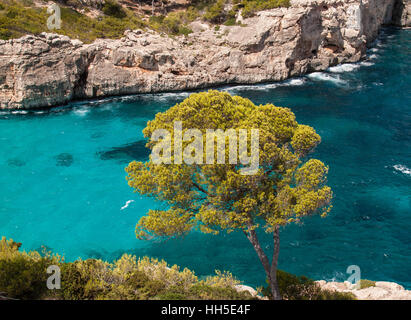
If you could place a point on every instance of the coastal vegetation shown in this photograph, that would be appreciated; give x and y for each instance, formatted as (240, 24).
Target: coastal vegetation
(364, 283)
(212, 197)
(21, 17)
(18, 19)
(23, 276)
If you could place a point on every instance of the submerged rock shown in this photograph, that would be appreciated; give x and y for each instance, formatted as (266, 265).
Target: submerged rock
(16, 162)
(64, 160)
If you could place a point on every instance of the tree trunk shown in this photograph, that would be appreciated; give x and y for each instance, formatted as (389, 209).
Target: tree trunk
(270, 270)
(275, 291)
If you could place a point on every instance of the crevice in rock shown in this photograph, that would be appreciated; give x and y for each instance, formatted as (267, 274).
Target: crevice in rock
(79, 88)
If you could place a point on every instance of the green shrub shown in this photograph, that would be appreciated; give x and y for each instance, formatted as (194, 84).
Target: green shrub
(72, 283)
(366, 284)
(114, 9)
(293, 287)
(17, 20)
(207, 292)
(170, 295)
(174, 23)
(216, 13)
(19, 17)
(230, 22)
(23, 275)
(250, 7)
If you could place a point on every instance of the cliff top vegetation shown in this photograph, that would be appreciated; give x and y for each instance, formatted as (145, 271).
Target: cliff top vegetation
(92, 19)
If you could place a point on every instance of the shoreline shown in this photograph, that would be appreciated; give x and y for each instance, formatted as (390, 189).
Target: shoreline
(381, 290)
(134, 96)
(51, 70)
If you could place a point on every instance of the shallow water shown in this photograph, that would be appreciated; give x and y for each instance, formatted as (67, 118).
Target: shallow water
(62, 179)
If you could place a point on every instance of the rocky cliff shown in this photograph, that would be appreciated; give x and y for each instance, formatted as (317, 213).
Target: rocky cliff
(311, 35)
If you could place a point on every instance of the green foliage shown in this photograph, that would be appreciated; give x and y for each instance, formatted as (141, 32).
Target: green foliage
(114, 9)
(213, 196)
(250, 7)
(208, 197)
(17, 20)
(23, 276)
(20, 17)
(215, 13)
(174, 23)
(293, 287)
(366, 284)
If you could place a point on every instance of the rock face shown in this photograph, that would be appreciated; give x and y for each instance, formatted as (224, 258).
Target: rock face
(311, 35)
(402, 13)
(381, 291)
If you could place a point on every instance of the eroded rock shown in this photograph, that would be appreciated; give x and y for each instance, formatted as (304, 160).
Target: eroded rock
(50, 69)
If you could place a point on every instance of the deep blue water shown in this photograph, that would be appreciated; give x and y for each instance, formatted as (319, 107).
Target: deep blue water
(62, 179)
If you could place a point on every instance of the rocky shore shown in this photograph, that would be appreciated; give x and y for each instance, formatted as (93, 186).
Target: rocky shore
(310, 35)
(382, 290)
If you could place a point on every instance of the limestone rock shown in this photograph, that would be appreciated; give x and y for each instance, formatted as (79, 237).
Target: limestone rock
(242, 288)
(310, 35)
(381, 291)
(402, 13)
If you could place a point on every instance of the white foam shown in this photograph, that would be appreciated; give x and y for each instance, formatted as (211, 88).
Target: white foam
(367, 63)
(19, 112)
(374, 50)
(171, 95)
(266, 87)
(295, 82)
(374, 56)
(347, 67)
(251, 87)
(81, 111)
(127, 204)
(322, 76)
(403, 169)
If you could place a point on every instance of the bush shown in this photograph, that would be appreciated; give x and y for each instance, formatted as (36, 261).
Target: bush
(293, 287)
(23, 275)
(250, 7)
(366, 283)
(216, 12)
(174, 23)
(17, 20)
(114, 9)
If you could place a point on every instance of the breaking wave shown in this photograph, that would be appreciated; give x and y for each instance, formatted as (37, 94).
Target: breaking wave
(403, 169)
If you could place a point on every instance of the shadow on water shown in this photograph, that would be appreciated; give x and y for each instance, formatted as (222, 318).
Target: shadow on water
(64, 160)
(131, 151)
(14, 162)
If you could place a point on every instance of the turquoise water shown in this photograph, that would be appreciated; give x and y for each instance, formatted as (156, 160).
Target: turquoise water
(62, 179)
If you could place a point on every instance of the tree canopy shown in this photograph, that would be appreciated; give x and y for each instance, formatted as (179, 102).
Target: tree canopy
(216, 197)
